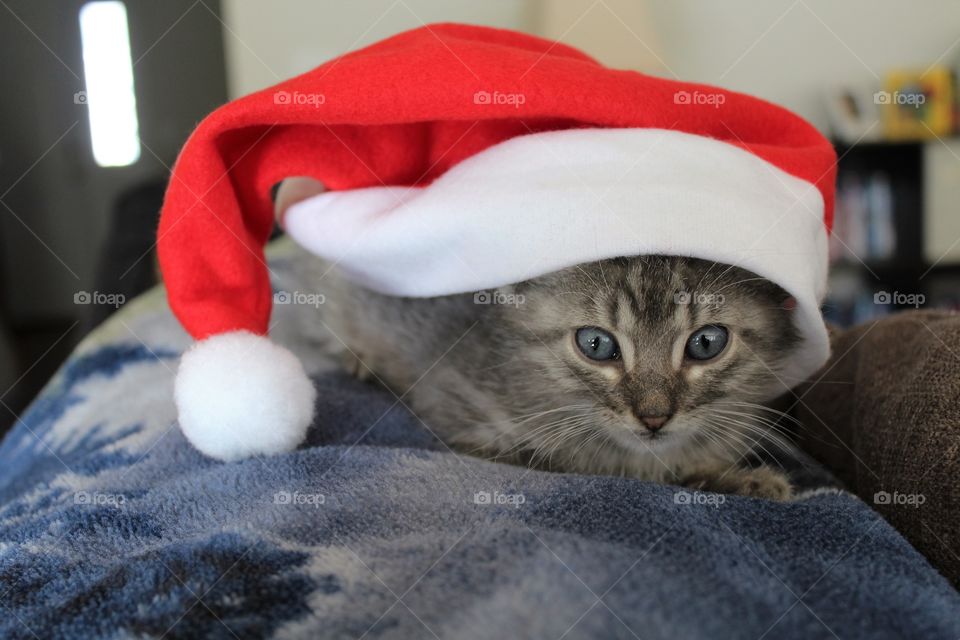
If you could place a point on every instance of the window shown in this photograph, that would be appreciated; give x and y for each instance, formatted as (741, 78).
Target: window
(110, 97)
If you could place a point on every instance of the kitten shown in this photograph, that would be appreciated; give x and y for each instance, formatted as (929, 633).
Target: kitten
(654, 367)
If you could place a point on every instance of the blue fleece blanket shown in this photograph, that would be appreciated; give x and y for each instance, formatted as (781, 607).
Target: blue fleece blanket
(111, 525)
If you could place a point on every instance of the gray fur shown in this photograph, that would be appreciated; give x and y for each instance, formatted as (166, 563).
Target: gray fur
(504, 380)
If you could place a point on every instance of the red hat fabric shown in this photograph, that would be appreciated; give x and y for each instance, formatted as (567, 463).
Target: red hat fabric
(407, 111)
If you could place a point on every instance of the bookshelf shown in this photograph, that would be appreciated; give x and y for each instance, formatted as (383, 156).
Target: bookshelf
(878, 260)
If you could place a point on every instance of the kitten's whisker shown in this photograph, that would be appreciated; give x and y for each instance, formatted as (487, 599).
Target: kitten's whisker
(801, 427)
(757, 412)
(757, 436)
(521, 420)
(742, 445)
(589, 277)
(740, 450)
(722, 273)
(785, 437)
(551, 429)
(554, 440)
(745, 403)
(605, 440)
(536, 414)
(598, 432)
(747, 421)
(735, 425)
(772, 426)
(705, 274)
(786, 446)
(733, 284)
(724, 441)
(523, 438)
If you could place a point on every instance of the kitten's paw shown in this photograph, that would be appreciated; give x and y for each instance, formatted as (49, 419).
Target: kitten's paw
(354, 366)
(762, 482)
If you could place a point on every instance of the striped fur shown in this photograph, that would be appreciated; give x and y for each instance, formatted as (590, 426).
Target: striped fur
(501, 376)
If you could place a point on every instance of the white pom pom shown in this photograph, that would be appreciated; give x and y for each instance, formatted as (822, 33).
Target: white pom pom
(239, 394)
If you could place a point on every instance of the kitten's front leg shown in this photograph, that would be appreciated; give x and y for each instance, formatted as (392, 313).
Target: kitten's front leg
(759, 482)
(354, 366)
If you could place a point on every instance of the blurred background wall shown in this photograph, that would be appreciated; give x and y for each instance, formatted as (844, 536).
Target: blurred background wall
(786, 51)
(268, 42)
(69, 226)
(782, 50)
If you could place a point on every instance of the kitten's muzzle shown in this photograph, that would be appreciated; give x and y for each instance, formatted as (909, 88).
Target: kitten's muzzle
(654, 423)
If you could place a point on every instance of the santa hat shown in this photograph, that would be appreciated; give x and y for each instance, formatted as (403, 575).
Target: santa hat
(460, 158)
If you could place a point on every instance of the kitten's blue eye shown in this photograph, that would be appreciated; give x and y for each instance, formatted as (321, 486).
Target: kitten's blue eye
(707, 342)
(597, 344)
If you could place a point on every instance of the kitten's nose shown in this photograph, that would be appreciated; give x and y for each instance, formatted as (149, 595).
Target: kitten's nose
(654, 423)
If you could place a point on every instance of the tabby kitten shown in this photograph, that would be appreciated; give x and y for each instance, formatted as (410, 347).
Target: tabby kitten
(654, 367)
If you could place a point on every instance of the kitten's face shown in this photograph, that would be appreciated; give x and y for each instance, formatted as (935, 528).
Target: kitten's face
(663, 349)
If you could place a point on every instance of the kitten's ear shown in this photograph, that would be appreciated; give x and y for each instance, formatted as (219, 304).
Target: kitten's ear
(293, 190)
(778, 294)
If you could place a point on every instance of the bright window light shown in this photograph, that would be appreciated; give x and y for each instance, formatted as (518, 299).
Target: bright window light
(110, 97)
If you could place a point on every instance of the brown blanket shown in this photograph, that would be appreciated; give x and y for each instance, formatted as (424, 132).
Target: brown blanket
(884, 416)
